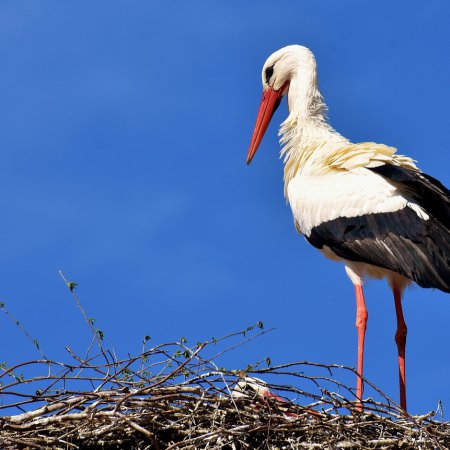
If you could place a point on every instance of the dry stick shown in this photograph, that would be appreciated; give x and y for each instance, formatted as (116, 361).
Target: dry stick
(142, 430)
(38, 412)
(261, 333)
(28, 444)
(163, 380)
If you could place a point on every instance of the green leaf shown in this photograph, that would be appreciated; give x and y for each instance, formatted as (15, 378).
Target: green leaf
(186, 354)
(183, 340)
(147, 338)
(91, 320)
(36, 343)
(2, 304)
(72, 285)
(268, 361)
(260, 325)
(100, 334)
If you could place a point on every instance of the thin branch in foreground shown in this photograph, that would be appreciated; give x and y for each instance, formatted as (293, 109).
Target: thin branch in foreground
(97, 334)
(22, 328)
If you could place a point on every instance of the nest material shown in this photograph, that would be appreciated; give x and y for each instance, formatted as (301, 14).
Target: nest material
(176, 397)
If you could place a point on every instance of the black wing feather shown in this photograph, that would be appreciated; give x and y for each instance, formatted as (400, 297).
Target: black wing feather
(425, 190)
(400, 241)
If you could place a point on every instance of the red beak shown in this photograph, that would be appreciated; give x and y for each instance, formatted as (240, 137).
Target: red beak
(270, 101)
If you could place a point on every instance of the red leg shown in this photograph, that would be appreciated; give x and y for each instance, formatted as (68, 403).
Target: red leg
(361, 323)
(400, 339)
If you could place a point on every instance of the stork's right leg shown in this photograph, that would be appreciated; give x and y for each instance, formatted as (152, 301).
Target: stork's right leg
(361, 324)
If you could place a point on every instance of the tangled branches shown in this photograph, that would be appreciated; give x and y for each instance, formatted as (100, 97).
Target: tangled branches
(173, 396)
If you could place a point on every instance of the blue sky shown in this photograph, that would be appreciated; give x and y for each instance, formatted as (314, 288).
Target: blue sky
(124, 131)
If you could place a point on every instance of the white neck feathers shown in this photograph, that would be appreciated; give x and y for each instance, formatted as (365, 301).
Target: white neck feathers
(306, 128)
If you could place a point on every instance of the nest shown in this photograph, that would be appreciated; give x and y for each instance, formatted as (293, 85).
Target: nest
(175, 396)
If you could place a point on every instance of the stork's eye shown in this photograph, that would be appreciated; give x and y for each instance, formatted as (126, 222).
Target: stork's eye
(269, 73)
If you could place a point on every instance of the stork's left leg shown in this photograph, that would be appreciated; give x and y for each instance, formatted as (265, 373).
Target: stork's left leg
(400, 339)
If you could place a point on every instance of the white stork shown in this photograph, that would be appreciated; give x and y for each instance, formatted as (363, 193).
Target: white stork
(358, 203)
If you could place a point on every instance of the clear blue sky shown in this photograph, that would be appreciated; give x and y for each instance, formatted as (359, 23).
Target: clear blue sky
(124, 129)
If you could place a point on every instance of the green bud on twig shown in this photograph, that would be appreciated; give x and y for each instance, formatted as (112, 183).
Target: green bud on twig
(72, 285)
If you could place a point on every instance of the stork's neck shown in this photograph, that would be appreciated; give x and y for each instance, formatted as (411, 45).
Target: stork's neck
(306, 129)
(304, 97)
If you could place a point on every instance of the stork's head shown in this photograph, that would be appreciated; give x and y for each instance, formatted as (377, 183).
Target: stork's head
(278, 71)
